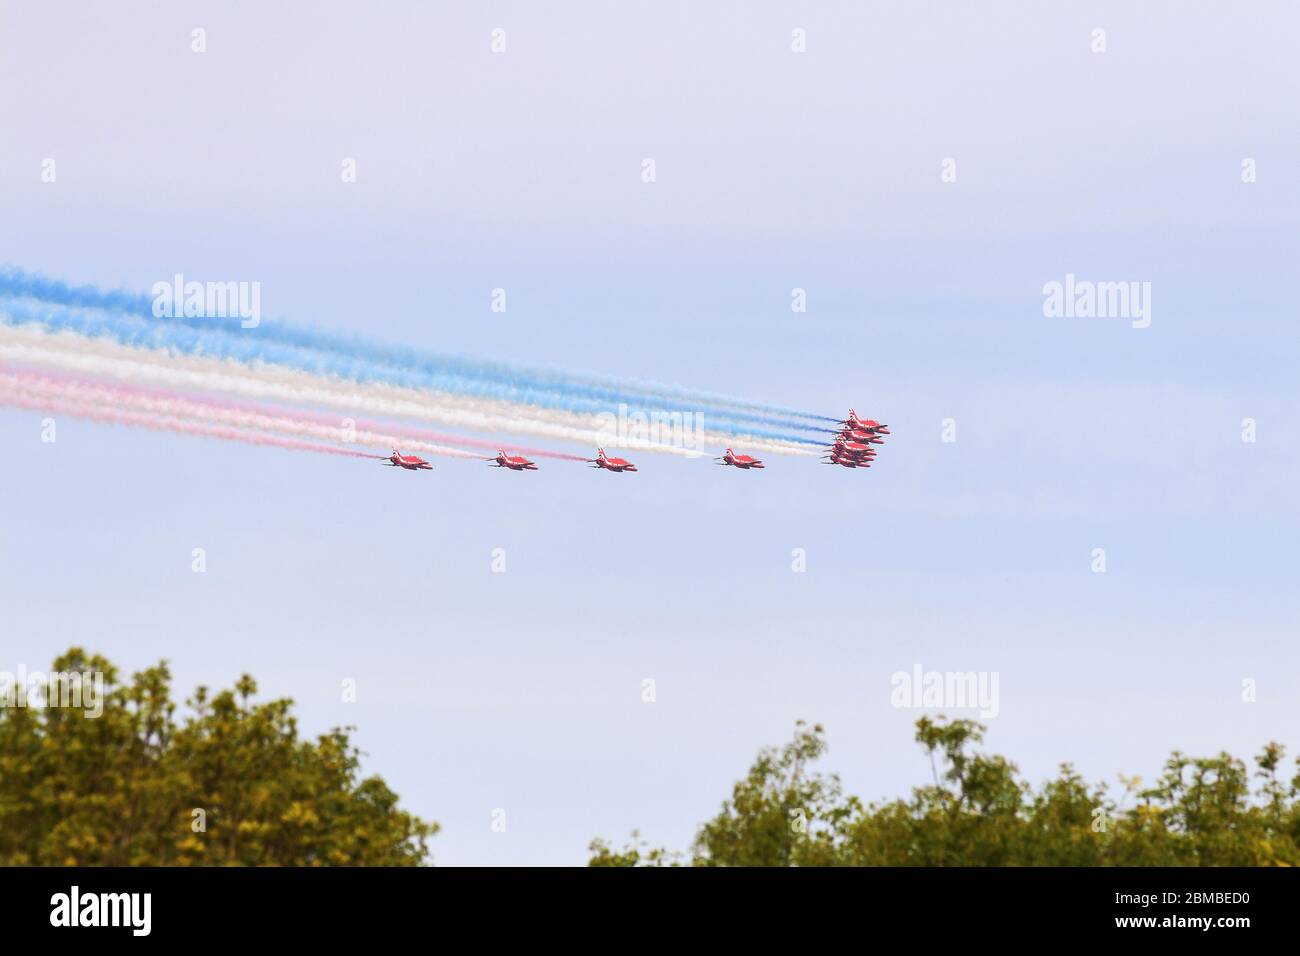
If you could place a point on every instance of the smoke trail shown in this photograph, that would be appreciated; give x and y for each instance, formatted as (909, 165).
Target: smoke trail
(348, 431)
(20, 283)
(211, 340)
(105, 357)
(177, 426)
(84, 393)
(373, 361)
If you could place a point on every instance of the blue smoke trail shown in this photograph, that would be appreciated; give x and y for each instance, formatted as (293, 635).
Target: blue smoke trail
(21, 284)
(215, 342)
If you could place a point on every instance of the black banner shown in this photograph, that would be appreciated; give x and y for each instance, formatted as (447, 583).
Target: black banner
(938, 905)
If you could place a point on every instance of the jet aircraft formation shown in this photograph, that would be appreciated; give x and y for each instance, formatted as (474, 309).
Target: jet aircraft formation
(853, 447)
(112, 356)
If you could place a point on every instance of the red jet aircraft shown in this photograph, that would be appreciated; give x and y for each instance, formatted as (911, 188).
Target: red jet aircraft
(847, 461)
(843, 447)
(842, 451)
(738, 461)
(514, 463)
(409, 462)
(850, 434)
(610, 464)
(864, 424)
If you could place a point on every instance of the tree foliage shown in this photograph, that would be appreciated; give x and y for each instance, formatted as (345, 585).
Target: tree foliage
(229, 784)
(977, 811)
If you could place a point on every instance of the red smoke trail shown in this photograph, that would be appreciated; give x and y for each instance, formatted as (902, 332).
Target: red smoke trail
(272, 411)
(93, 394)
(169, 424)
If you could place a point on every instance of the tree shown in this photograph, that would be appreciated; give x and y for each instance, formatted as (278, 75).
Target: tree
(229, 784)
(977, 811)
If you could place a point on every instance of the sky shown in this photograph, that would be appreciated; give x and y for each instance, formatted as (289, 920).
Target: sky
(521, 691)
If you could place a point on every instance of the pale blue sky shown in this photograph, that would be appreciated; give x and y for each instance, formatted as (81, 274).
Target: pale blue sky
(775, 170)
